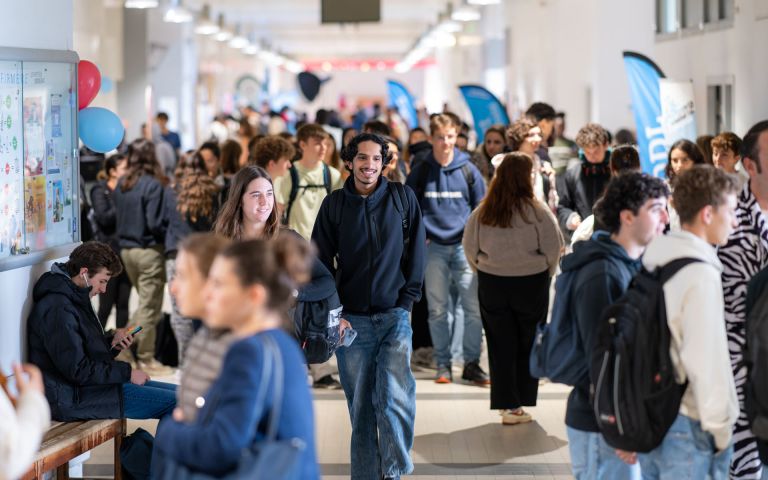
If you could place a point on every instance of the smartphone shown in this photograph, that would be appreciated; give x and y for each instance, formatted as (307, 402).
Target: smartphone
(136, 330)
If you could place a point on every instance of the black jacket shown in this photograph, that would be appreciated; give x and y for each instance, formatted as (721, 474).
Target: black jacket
(178, 227)
(104, 215)
(82, 379)
(605, 271)
(140, 221)
(367, 245)
(580, 188)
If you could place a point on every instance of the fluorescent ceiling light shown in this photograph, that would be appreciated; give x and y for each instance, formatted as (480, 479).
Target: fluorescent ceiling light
(205, 26)
(483, 2)
(224, 34)
(465, 13)
(141, 3)
(238, 42)
(450, 26)
(176, 13)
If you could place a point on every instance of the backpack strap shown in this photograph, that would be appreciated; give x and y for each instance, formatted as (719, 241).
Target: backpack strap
(397, 190)
(336, 205)
(327, 179)
(294, 192)
(421, 180)
(470, 179)
(670, 269)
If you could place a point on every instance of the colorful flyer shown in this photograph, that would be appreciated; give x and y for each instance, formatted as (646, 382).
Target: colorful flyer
(35, 206)
(11, 157)
(34, 136)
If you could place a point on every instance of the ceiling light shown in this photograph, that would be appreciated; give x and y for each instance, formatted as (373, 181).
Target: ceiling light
(224, 34)
(465, 13)
(484, 2)
(141, 3)
(293, 66)
(251, 50)
(450, 26)
(176, 13)
(205, 26)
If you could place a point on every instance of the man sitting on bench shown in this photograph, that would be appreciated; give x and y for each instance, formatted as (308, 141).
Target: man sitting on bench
(83, 381)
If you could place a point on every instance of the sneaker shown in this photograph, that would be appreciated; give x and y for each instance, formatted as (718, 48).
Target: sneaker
(513, 417)
(474, 373)
(327, 382)
(153, 368)
(444, 374)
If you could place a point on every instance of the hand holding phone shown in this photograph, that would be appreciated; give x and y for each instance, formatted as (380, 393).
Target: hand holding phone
(124, 338)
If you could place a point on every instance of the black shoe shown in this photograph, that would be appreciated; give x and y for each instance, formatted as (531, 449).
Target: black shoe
(327, 382)
(473, 373)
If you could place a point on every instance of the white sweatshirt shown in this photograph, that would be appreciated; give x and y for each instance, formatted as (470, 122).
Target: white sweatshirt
(21, 431)
(695, 314)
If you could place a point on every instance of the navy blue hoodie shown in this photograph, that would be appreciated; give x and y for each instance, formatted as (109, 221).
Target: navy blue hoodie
(605, 271)
(140, 219)
(368, 247)
(445, 197)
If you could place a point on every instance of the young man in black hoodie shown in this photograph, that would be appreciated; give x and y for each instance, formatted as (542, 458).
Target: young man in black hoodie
(66, 341)
(633, 211)
(377, 256)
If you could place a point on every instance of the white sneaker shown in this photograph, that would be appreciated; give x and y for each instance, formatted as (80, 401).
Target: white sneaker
(513, 417)
(153, 368)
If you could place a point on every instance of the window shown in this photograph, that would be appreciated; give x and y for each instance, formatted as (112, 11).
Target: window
(720, 108)
(717, 10)
(666, 16)
(692, 13)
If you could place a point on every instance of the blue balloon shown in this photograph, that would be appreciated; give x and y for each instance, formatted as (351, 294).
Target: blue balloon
(100, 129)
(106, 85)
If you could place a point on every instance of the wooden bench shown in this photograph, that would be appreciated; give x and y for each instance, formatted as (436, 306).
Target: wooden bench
(65, 441)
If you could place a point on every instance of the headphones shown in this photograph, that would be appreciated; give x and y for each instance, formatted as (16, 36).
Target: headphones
(85, 278)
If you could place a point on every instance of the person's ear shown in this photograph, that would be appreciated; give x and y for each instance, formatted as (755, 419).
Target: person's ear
(258, 294)
(706, 214)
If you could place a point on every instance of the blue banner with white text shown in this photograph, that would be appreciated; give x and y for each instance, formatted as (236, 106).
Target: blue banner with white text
(644, 77)
(401, 98)
(486, 109)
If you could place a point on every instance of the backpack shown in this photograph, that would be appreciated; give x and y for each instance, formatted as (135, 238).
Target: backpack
(756, 359)
(397, 190)
(316, 318)
(557, 352)
(421, 180)
(635, 395)
(293, 171)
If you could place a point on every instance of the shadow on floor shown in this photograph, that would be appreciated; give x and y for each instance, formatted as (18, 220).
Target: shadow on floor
(499, 443)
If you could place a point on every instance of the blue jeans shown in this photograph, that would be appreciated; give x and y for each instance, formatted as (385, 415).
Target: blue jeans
(443, 263)
(687, 452)
(151, 400)
(593, 459)
(375, 372)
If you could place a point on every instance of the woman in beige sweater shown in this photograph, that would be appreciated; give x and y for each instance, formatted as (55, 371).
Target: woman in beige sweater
(513, 241)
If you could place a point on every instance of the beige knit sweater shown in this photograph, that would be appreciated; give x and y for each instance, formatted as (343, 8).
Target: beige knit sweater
(521, 250)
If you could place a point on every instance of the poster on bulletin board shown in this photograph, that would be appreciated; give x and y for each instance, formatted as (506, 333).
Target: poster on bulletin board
(39, 203)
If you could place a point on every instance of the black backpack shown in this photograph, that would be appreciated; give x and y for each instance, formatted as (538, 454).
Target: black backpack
(295, 188)
(316, 316)
(635, 395)
(756, 360)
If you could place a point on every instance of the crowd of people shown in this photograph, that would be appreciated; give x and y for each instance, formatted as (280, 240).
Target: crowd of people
(428, 243)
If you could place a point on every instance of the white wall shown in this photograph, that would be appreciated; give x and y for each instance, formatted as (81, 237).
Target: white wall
(26, 26)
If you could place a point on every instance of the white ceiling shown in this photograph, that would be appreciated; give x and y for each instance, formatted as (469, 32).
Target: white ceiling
(293, 27)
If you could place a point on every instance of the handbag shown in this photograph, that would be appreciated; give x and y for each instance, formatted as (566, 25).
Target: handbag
(269, 459)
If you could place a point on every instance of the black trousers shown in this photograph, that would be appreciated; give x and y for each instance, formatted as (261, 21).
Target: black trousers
(117, 295)
(510, 308)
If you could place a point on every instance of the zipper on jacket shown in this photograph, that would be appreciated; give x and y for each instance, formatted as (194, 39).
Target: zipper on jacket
(616, 406)
(600, 377)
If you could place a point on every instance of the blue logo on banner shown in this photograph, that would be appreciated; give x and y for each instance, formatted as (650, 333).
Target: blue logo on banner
(644, 78)
(400, 98)
(486, 109)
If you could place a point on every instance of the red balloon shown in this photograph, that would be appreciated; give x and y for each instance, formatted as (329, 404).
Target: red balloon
(88, 83)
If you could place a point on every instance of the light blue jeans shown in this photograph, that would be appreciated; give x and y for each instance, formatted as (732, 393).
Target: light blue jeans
(687, 452)
(375, 372)
(593, 459)
(443, 263)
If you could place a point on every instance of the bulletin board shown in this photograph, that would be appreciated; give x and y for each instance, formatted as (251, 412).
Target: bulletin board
(39, 167)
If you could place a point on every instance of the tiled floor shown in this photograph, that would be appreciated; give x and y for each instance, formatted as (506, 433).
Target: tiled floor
(457, 436)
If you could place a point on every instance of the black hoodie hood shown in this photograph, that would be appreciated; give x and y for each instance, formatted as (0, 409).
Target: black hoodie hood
(58, 281)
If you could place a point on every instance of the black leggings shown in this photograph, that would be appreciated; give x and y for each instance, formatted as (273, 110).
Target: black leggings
(510, 308)
(117, 295)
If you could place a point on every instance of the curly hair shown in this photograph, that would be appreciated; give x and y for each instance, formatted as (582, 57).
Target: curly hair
(592, 135)
(271, 149)
(518, 132)
(195, 190)
(727, 141)
(510, 192)
(701, 186)
(350, 151)
(628, 191)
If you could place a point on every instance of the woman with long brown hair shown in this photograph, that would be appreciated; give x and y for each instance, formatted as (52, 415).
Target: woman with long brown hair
(513, 242)
(249, 211)
(190, 207)
(141, 234)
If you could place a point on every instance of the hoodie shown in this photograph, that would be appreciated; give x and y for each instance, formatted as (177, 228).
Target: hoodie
(81, 376)
(604, 273)
(445, 196)
(140, 221)
(580, 188)
(699, 350)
